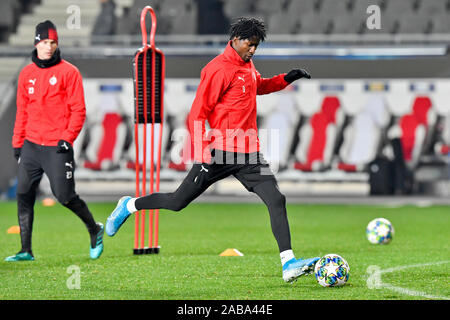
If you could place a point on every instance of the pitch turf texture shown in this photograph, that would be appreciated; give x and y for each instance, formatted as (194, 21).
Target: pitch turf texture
(415, 265)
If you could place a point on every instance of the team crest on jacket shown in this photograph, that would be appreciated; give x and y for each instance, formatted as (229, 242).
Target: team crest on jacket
(53, 80)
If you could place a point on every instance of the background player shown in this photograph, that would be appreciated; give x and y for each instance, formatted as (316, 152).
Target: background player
(50, 114)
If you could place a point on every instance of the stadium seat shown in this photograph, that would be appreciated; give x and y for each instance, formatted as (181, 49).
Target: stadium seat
(280, 23)
(426, 113)
(333, 7)
(179, 95)
(442, 145)
(174, 7)
(268, 7)
(414, 130)
(107, 131)
(414, 23)
(397, 7)
(181, 147)
(412, 134)
(238, 8)
(441, 23)
(359, 7)
(318, 18)
(433, 7)
(210, 16)
(106, 144)
(441, 141)
(80, 144)
(318, 137)
(302, 8)
(315, 23)
(8, 18)
(130, 23)
(389, 17)
(185, 20)
(280, 116)
(363, 136)
(406, 17)
(348, 24)
(296, 13)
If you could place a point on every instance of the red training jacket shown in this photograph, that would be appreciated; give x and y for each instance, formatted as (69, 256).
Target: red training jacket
(226, 97)
(50, 105)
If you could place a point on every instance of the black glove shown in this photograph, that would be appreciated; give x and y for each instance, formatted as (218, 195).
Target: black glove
(63, 146)
(17, 153)
(296, 74)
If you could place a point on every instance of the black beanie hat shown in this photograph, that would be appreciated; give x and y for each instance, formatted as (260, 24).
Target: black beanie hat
(45, 30)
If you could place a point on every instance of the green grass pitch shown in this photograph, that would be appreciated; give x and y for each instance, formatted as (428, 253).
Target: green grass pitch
(415, 265)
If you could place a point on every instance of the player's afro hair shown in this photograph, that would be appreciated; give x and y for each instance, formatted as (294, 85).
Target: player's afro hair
(247, 28)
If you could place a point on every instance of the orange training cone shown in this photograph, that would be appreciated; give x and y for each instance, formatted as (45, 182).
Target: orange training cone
(48, 202)
(13, 230)
(231, 253)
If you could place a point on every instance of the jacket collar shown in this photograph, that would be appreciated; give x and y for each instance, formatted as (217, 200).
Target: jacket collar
(233, 56)
(54, 60)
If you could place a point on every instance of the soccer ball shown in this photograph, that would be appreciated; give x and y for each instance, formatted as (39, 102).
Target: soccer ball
(332, 270)
(380, 231)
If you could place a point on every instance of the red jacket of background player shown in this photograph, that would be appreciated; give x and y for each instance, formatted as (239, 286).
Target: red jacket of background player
(50, 105)
(226, 97)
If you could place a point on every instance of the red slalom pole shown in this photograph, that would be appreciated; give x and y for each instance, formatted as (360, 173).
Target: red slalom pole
(136, 164)
(158, 166)
(152, 103)
(156, 105)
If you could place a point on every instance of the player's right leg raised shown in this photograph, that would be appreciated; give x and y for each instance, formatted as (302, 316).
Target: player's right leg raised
(194, 184)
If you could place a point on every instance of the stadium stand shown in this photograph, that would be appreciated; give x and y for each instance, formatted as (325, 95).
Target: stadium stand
(58, 10)
(74, 20)
(190, 17)
(314, 144)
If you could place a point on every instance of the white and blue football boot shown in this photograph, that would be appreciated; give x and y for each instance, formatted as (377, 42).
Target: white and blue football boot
(295, 268)
(118, 216)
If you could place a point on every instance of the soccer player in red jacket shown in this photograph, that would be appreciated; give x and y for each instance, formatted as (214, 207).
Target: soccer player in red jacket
(226, 98)
(50, 114)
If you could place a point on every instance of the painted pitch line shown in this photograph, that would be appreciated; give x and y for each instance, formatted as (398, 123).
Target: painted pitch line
(374, 280)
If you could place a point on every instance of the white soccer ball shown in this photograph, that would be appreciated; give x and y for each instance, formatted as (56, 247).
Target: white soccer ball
(380, 231)
(332, 271)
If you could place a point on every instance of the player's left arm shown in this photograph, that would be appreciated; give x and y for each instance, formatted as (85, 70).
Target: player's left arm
(76, 106)
(279, 82)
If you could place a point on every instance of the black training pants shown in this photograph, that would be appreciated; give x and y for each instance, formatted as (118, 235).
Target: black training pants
(254, 175)
(35, 160)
